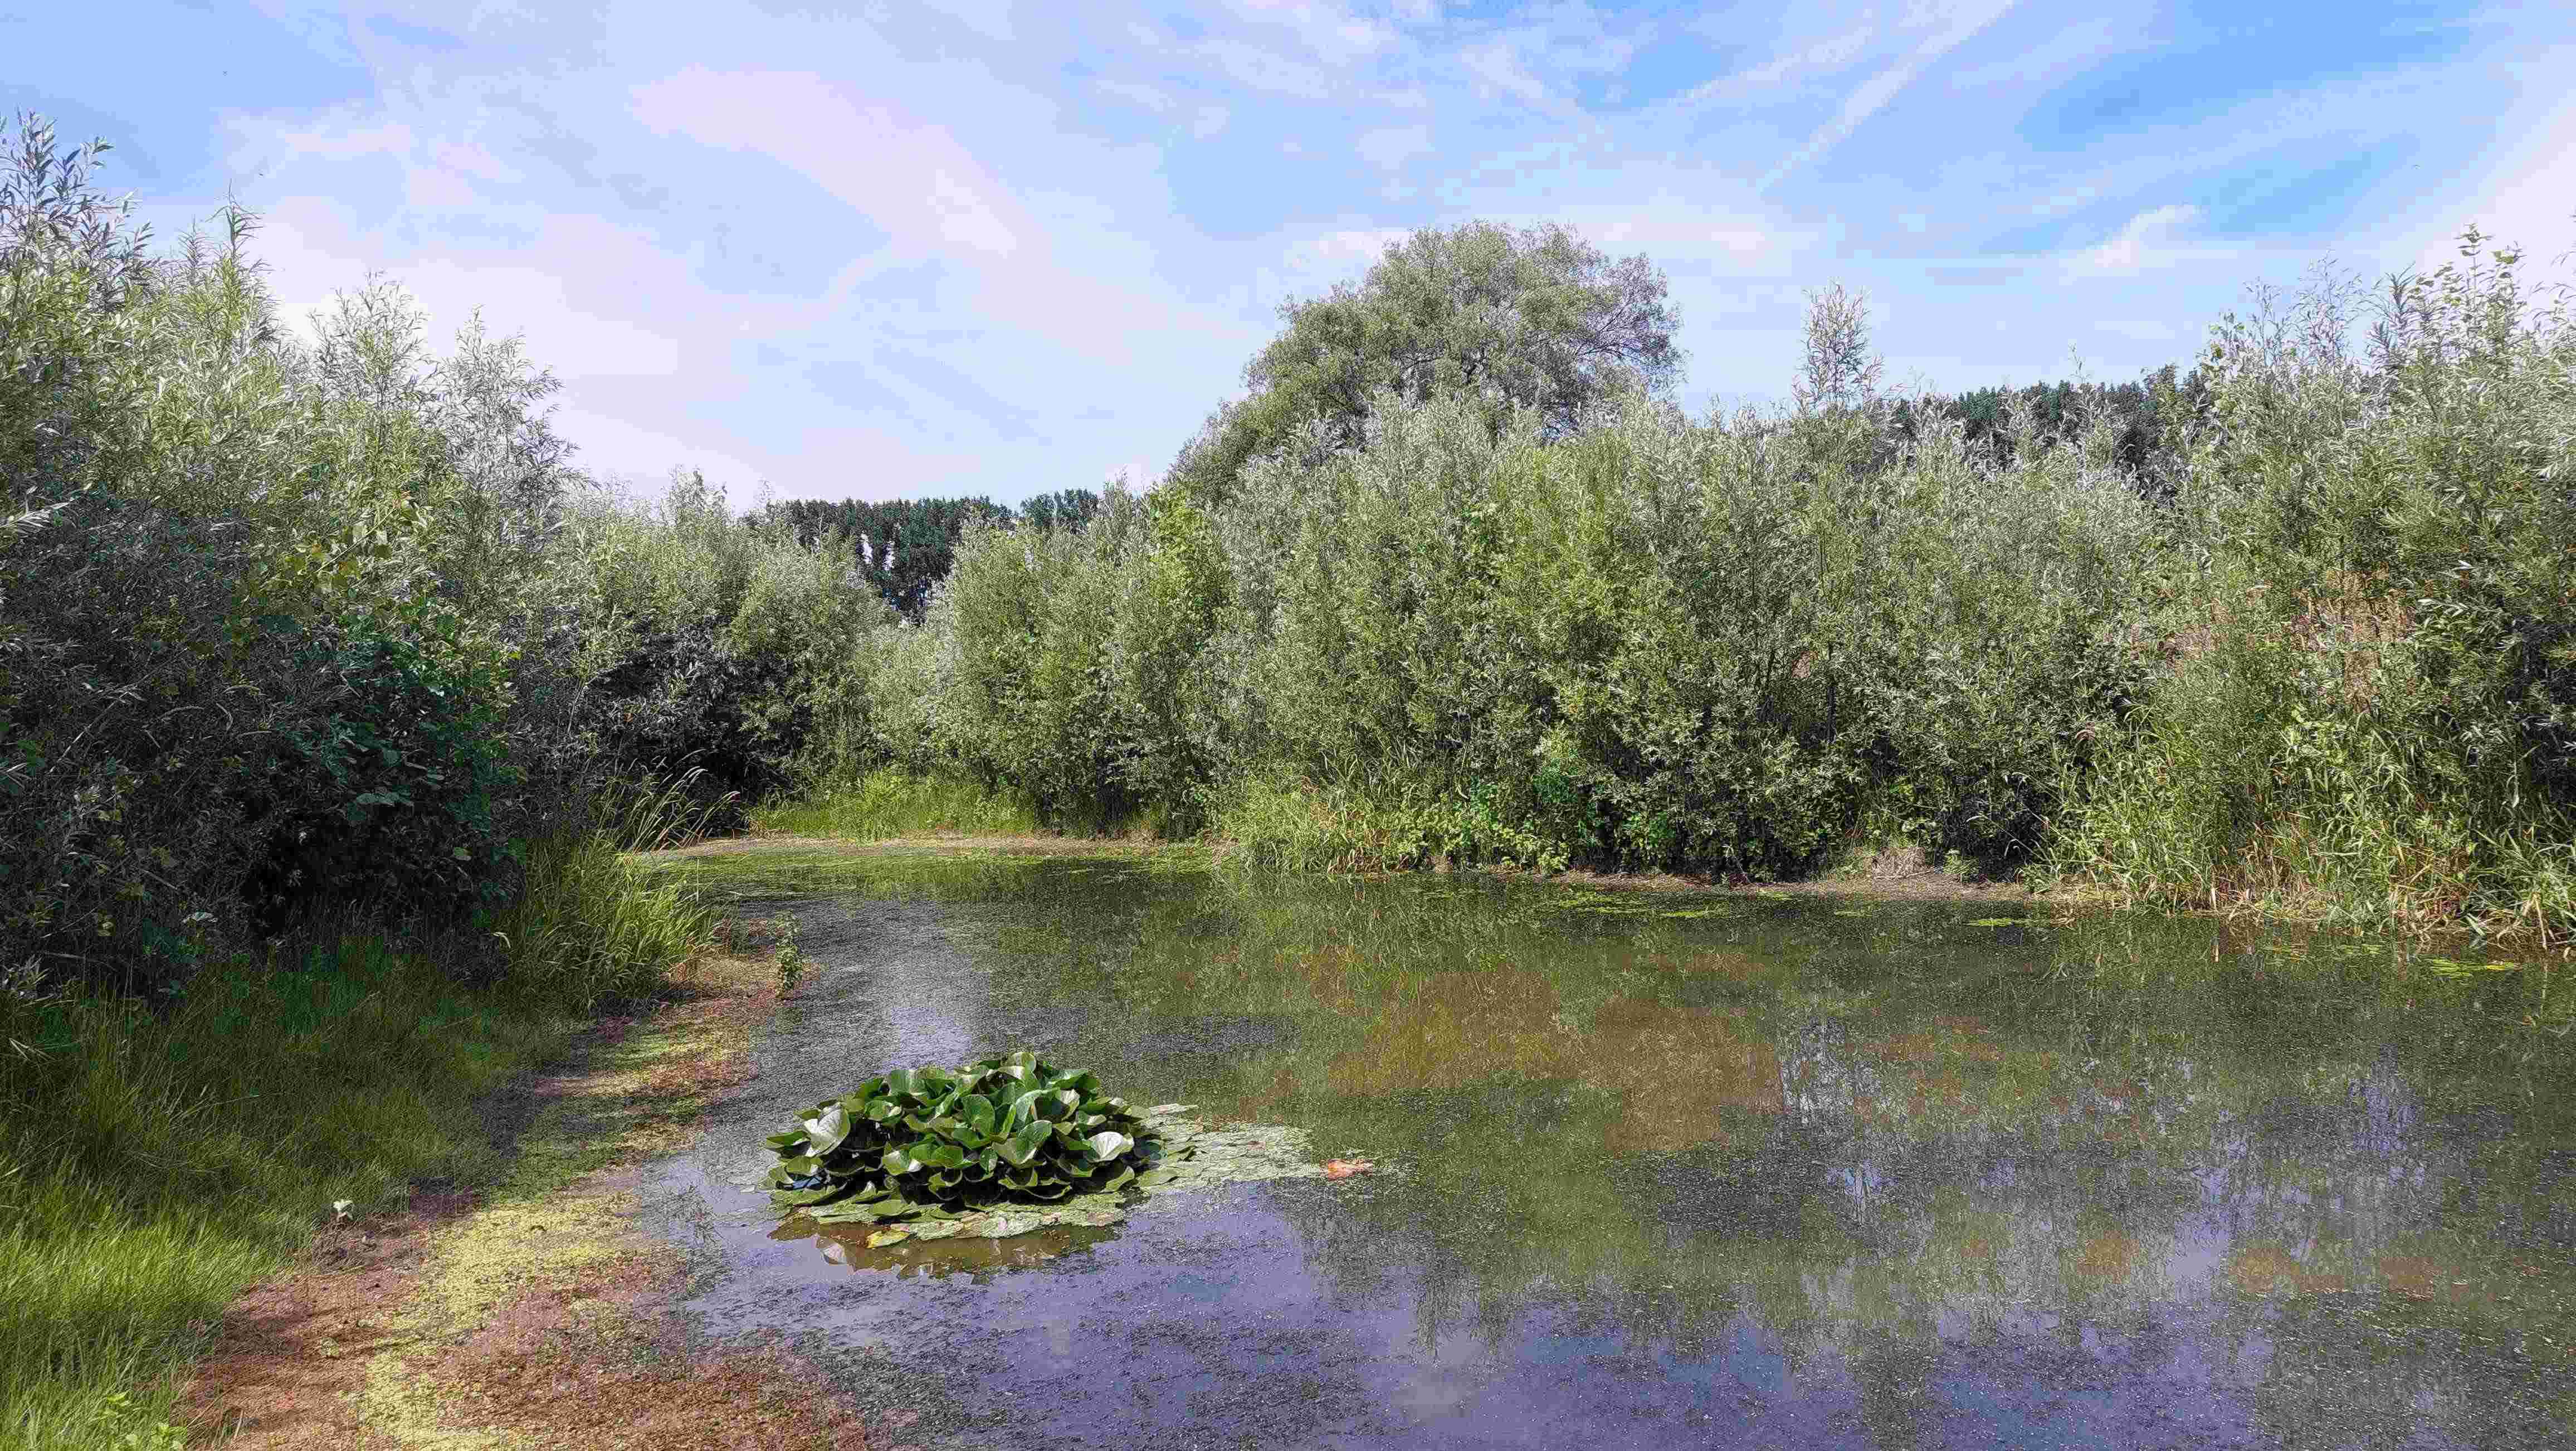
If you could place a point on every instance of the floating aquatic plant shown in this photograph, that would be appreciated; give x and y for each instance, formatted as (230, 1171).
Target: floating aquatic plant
(937, 1142)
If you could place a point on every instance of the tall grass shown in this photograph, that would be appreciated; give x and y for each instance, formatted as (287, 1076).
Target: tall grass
(158, 1157)
(2367, 714)
(585, 928)
(892, 802)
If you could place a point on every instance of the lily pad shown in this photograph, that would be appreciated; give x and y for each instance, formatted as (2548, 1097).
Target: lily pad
(1188, 1154)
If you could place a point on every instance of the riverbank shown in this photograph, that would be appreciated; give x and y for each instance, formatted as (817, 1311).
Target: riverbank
(337, 1195)
(1899, 874)
(530, 1309)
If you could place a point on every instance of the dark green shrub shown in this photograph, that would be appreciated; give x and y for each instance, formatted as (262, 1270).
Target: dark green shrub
(682, 695)
(385, 792)
(126, 719)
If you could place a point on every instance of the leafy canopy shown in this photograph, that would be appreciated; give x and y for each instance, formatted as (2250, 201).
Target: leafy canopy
(1515, 317)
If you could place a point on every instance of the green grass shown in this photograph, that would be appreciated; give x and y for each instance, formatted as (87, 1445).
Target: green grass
(1297, 826)
(153, 1164)
(890, 802)
(156, 1159)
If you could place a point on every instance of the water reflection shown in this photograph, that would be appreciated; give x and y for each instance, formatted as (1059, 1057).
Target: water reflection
(846, 1245)
(1780, 1173)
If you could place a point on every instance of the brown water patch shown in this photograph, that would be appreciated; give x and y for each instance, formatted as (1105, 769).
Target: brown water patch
(1678, 1072)
(1457, 1029)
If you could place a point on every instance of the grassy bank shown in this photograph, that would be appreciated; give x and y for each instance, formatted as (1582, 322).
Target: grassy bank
(159, 1156)
(889, 802)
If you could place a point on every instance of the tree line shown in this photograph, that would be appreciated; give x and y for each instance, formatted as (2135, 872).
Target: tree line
(905, 547)
(290, 622)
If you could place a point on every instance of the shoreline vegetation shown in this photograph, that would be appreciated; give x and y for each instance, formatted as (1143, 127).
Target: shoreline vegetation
(339, 707)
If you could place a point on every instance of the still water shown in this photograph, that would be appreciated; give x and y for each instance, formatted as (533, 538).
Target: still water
(1682, 1171)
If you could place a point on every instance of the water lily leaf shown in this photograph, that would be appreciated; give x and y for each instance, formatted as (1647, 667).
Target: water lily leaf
(930, 1144)
(826, 1130)
(806, 1198)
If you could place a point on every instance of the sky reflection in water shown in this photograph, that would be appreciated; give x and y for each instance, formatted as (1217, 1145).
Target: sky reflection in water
(1690, 1172)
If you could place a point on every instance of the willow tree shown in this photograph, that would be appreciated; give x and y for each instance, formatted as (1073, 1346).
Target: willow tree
(1517, 317)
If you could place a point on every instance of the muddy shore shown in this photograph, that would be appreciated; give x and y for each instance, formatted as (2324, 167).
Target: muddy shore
(533, 1311)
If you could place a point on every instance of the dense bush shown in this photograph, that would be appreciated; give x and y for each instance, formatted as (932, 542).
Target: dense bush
(2371, 674)
(387, 791)
(726, 645)
(1737, 644)
(289, 623)
(2313, 648)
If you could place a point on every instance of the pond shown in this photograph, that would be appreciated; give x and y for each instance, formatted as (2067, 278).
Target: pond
(1697, 1170)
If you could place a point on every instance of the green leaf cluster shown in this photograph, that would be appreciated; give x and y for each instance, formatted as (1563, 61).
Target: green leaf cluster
(931, 1141)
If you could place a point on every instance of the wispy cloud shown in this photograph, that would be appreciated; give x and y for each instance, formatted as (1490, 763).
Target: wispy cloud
(1949, 24)
(2147, 241)
(1001, 247)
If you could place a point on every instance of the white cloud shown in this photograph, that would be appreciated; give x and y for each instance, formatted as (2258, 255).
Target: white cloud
(908, 176)
(1330, 31)
(2068, 51)
(2527, 200)
(333, 139)
(1264, 69)
(1955, 24)
(1499, 69)
(1349, 250)
(638, 460)
(2147, 241)
(1389, 148)
(1135, 93)
(1826, 56)
(313, 250)
(850, 251)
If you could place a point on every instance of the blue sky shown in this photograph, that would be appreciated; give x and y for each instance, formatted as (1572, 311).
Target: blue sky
(894, 250)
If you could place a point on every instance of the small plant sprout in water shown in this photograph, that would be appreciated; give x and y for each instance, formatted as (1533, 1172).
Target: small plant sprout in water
(791, 958)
